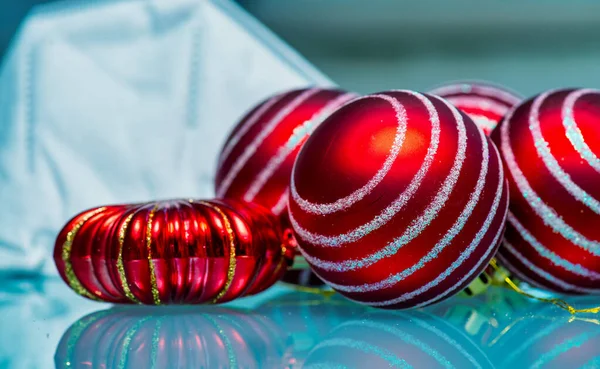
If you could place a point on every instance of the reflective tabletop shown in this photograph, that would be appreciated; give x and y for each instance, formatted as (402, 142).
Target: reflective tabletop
(43, 325)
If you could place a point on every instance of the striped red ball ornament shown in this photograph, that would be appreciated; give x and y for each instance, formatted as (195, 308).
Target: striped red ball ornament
(398, 200)
(483, 102)
(172, 252)
(256, 161)
(550, 146)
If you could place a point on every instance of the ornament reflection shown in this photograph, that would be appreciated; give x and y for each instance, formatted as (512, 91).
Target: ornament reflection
(397, 340)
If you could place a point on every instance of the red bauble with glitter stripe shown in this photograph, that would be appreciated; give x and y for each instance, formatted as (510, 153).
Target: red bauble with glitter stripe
(485, 103)
(172, 252)
(550, 146)
(398, 200)
(257, 159)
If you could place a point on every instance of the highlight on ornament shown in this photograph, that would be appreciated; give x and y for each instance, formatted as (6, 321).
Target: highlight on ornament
(172, 252)
(398, 200)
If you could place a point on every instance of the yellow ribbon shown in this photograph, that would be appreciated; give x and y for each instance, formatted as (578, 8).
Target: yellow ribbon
(558, 302)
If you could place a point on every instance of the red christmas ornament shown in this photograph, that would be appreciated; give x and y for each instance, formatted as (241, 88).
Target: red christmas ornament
(485, 103)
(550, 147)
(398, 200)
(256, 162)
(171, 252)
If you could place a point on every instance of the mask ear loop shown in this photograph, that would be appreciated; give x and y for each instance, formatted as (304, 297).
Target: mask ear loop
(558, 302)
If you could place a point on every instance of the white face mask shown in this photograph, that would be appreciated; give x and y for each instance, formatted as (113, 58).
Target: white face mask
(109, 102)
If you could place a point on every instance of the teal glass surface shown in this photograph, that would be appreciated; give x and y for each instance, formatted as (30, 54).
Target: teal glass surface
(44, 325)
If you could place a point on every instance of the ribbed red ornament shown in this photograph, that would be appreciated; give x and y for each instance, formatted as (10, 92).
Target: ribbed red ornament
(172, 252)
(485, 103)
(398, 200)
(256, 161)
(550, 146)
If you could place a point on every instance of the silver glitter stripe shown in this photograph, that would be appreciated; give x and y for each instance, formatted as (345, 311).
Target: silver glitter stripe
(249, 123)
(518, 274)
(470, 275)
(548, 215)
(479, 103)
(572, 130)
(390, 357)
(543, 150)
(281, 204)
(298, 134)
(389, 212)
(346, 202)
(258, 140)
(448, 237)
(545, 275)
(548, 254)
(417, 225)
(488, 91)
(403, 336)
(466, 254)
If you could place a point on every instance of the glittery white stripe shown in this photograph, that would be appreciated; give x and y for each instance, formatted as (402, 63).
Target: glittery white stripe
(545, 275)
(359, 194)
(479, 103)
(548, 215)
(469, 275)
(389, 212)
(249, 123)
(489, 91)
(548, 254)
(463, 255)
(281, 204)
(403, 336)
(419, 224)
(448, 237)
(572, 130)
(258, 140)
(298, 134)
(543, 150)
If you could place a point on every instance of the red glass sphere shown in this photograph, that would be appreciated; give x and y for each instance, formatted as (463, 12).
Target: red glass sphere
(550, 146)
(171, 252)
(398, 200)
(485, 103)
(256, 162)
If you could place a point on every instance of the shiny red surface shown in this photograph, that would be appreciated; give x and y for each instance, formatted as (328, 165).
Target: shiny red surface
(190, 251)
(485, 103)
(278, 183)
(576, 214)
(346, 151)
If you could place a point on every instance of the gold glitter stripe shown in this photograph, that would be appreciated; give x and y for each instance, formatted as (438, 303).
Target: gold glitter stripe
(153, 283)
(232, 260)
(120, 267)
(72, 279)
